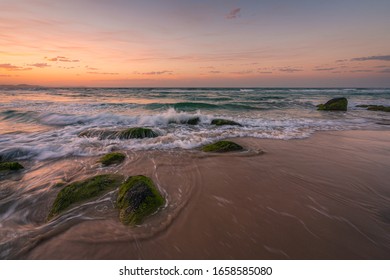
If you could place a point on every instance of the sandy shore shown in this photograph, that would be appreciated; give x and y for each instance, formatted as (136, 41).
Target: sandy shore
(326, 197)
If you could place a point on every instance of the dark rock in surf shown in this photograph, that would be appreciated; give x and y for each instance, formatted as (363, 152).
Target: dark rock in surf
(129, 133)
(10, 166)
(220, 122)
(82, 191)
(112, 158)
(335, 104)
(375, 107)
(138, 198)
(222, 147)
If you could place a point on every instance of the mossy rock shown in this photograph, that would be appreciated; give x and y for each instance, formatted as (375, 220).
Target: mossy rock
(224, 122)
(192, 121)
(112, 158)
(83, 191)
(138, 198)
(10, 166)
(375, 107)
(335, 104)
(222, 147)
(129, 133)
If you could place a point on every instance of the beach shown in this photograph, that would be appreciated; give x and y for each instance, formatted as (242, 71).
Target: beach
(325, 197)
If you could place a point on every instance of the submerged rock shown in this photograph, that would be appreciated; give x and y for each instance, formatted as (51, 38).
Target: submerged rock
(129, 133)
(224, 122)
(10, 166)
(375, 107)
(137, 199)
(335, 104)
(193, 121)
(83, 190)
(222, 147)
(112, 158)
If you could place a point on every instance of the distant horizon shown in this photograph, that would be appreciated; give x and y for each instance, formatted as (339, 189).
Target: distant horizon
(305, 44)
(182, 87)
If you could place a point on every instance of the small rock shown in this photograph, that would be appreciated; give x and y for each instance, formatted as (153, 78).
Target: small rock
(224, 122)
(222, 147)
(112, 158)
(335, 104)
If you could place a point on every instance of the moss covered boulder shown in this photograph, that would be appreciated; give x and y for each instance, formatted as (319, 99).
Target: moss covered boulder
(192, 121)
(10, 166)
(112, 158)
(224, 122)
(222, 147)
(335, 104)
(129, 133)
(375, 107)
(82, 191)
(138, 198)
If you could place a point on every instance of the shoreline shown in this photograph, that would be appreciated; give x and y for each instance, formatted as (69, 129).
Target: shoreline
(323, 197)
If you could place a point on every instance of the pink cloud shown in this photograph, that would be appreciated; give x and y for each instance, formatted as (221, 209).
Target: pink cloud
(40, 65)
(10, 67)
(233, 13)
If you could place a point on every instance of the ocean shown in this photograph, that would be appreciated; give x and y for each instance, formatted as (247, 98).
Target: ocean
(44, 123)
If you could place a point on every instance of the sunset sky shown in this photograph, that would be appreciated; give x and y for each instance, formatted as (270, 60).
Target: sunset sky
(175, 43)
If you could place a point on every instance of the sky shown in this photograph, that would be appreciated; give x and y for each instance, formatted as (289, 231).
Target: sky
(183, 43)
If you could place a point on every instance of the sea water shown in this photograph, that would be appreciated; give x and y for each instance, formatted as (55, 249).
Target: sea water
(44, 123)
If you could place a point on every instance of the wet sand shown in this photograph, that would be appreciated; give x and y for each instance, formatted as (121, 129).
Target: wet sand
(326, 197)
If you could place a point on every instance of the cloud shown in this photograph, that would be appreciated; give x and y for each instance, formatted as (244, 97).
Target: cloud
(234, 13)
(5, 76)
(265, 72)
(244, 72)
(290, 69)
(360, 71)
(207, 67)
(40, 65)
(375, 57)
(341, 60)
(91, 68)
(156, 72)
(62, 59)
(10, 67)
(215, 72)
(325, 69)
(387, 70)
(103, 73)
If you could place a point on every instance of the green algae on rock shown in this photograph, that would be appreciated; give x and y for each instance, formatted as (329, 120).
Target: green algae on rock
(219, 122)
(81, 191)
(375, 107)
(138, 198)
(335, 104)
(10, 166)
(129, 133)
(222, 147)
(112, 158)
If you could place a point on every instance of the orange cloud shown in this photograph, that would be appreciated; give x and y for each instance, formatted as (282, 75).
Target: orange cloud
(40, 65)
(62, 59)
(10, 67)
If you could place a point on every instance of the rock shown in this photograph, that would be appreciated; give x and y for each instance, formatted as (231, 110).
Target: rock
(375, 107)
(112, 158)
(193, 121)
(10, 166)
(137, 199)
(84, 190)
(335, 104)
(222, 147)
(129, 133)
(224, 122)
